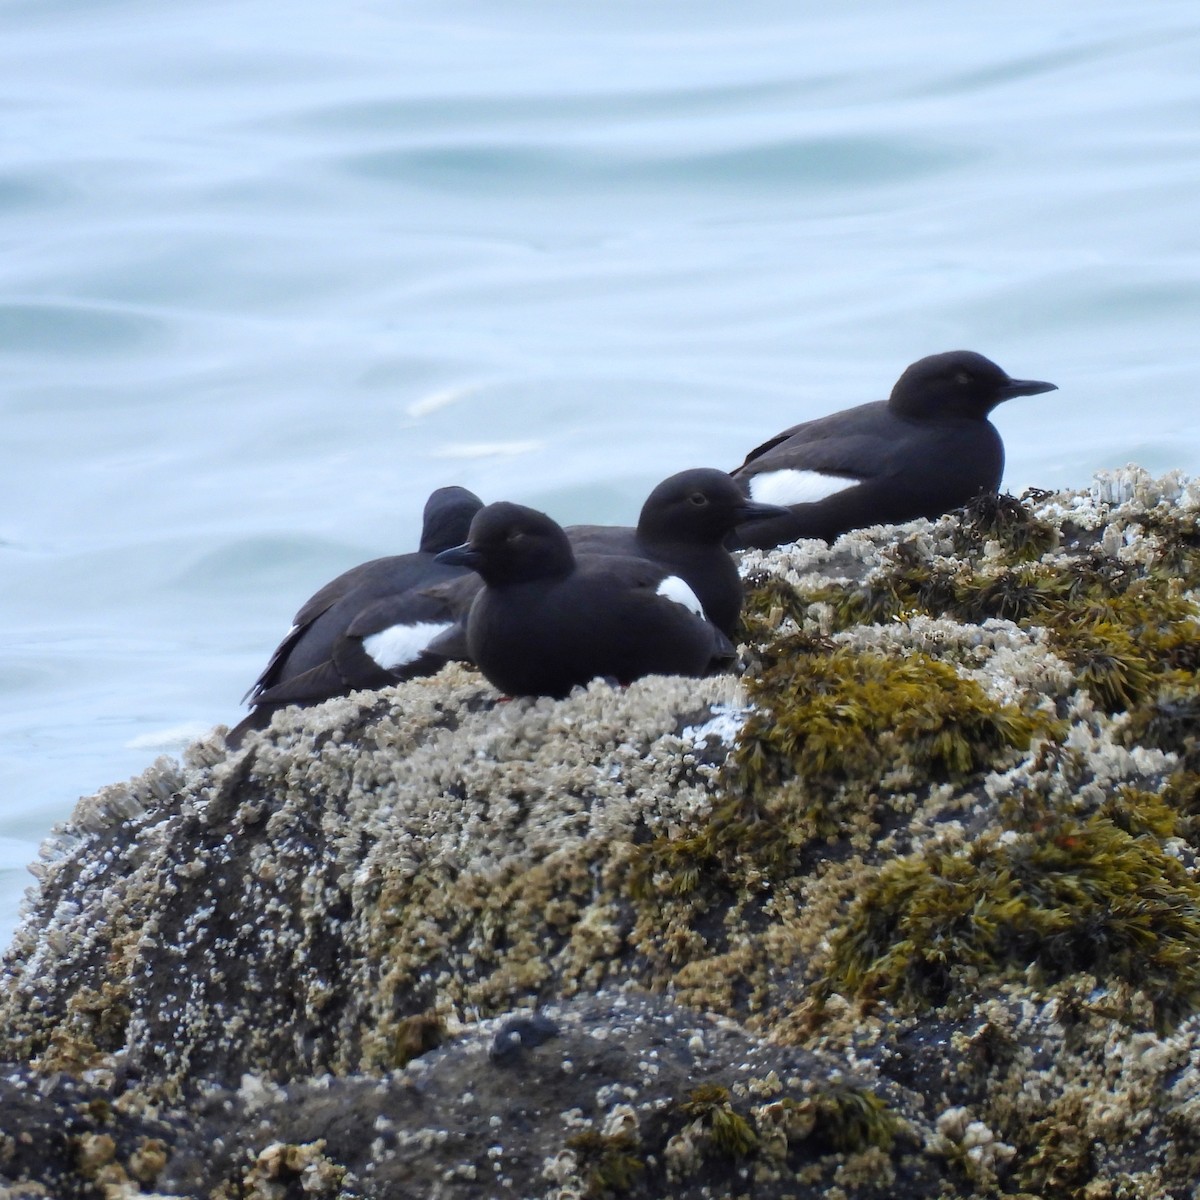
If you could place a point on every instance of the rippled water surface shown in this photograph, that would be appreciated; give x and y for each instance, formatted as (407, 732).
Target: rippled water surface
(272, 272)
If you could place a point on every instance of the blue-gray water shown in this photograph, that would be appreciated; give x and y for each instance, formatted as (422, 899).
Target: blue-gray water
(271, 272)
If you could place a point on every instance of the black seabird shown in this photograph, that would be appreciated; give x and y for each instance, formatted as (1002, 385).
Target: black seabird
(370, 626)
(926, 450)
(683, 525)
(546, 621)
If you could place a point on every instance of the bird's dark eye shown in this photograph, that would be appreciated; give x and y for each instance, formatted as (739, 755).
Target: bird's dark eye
(963, 378)
(515, 536)
(699, 499)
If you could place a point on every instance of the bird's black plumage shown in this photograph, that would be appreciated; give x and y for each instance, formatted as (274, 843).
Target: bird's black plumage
(926, 450)
(545, 620)
(365, 628)
(683, 525)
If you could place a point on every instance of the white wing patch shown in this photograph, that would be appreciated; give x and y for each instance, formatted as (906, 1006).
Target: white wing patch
(399, 645)
(796, 487)
(674, 588)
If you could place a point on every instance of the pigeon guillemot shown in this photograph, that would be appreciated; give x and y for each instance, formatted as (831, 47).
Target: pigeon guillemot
(370, 626)
(683, 525)
(926, 450)
(545, 621)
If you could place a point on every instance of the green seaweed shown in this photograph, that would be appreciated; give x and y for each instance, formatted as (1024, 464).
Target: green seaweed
(1003, 519)
(853, 1118)
(851, 715)
(1107, 663)
(836, 736)
(769, 601)
(1072, 894)
(1176, 536)
(605, 1162)
(828, 723)
(690, 864)
(1128, 631)
(1170, 721)
(1059, 1160)
(1182, 794)
(729, 1132)
(416, 1035)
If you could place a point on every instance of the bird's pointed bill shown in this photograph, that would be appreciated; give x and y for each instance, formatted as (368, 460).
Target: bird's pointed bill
(459, 556)
(1024, 387)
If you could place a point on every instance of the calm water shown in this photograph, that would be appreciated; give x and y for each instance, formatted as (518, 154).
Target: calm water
(271, 272)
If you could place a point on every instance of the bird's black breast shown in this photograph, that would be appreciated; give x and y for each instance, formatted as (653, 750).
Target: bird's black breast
(606, 619)
(707, 568)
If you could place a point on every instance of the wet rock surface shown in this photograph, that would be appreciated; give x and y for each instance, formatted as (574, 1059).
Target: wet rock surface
(629, 1094)
(911, 909)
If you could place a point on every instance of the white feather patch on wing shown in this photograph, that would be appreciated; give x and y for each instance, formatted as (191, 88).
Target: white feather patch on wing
(796, 487)
(674, 588)
(399, 645)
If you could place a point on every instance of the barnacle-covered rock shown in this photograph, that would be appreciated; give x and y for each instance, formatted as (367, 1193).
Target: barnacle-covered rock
(910, 909)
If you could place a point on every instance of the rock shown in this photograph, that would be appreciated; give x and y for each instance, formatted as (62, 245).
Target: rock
(910, 910)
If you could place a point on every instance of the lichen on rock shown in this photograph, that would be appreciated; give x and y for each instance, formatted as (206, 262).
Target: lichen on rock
(910, 909)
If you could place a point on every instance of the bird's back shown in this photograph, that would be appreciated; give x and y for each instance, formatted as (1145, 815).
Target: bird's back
(334, 610)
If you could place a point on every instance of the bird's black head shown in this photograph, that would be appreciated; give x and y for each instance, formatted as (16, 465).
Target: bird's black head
(447, 518)
(959, 383)
(701, 506)
(510, 543)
